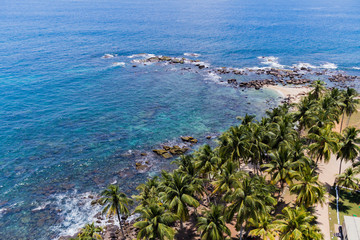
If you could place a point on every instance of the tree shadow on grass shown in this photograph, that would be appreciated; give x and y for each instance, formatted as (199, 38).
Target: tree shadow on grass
(342, 206)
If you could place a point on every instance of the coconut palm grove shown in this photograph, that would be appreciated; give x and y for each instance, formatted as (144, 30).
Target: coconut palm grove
(238, 187)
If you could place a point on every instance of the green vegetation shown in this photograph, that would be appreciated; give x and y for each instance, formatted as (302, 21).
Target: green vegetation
(212, 180)
(349, 205)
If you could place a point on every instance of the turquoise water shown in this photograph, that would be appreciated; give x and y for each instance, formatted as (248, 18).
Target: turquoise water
(72, 122)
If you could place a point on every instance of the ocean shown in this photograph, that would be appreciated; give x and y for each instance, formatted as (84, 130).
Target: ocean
(73, 121)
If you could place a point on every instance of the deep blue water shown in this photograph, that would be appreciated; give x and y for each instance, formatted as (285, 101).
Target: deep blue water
(71, 122)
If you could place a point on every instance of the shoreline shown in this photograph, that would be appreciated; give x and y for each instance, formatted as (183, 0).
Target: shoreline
(292, 93)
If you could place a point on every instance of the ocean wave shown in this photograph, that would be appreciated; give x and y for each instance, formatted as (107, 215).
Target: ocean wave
(40, 207)
(118, 64)
(201, 63)
(192, 54)
(356, 68)
(303, 65)
(142, 55)
(3, 211)
(108, 55)
(76, 210)
(211, 76)
(328, 65)
(271, 61)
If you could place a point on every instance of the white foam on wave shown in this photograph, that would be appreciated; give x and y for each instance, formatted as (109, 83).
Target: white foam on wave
(211, 76)
(356, 68)
(108, 55)
(328, 65)
(76, 211)
(271, 61)
(3, 211)
(118, 64)
(142, 55)
(303, 65)
(40, 206)
(201, 63)
(192, 54)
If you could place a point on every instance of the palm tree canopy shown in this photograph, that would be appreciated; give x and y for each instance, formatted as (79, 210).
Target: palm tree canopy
(349, 148)
(296, 224)
(178, 192)
(90, 232)
(114, 201)
(154, 222)
(308, 188)
(212, 226)
(348, 179)
(249, 200)
(325, 142)
(281, 167)
(262, 227)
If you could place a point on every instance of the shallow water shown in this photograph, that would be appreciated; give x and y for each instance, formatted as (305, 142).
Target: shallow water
(72, 122)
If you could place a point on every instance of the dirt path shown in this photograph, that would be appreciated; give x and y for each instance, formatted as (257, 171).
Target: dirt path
(327, 175)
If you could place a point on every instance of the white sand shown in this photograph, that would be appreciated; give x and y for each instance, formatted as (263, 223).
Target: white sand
(294, 92)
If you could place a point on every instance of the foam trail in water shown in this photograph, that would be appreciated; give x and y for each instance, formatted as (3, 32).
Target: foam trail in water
(192, 54)
(211, 76)
(76, 211)
(303, 65)
(108, 55)
(118, 64)
(328, 65)
(356, 68)
(142, 55)
(271, 61)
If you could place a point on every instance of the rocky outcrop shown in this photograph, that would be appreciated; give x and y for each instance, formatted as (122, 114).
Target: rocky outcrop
(189, 139)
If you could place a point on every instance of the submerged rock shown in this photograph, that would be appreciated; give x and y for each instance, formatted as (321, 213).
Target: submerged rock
(159, 151)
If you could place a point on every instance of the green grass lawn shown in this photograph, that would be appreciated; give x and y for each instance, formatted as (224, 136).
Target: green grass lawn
(349, 205)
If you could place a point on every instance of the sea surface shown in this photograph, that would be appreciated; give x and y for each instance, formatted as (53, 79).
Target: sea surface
(72, 121)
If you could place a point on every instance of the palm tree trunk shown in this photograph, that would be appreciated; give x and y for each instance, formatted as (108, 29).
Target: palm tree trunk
(342, 120)
(181, 224)
(118, 215)
(340, 165)
(241, 232)
(348, 121)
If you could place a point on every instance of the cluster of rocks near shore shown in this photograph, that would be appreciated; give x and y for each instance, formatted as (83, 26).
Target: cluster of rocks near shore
(167, 151)
(294, 76)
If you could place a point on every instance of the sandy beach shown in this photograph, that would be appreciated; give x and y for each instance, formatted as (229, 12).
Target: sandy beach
(294, 93)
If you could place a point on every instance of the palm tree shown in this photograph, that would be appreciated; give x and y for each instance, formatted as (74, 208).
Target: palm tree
(256, 144)
(283, 131)
(115, 202)
(148, 191)
(212, 226)
(318, 90)
(154, 222)
(207, 160)
(90, 232)
(304, 114)
(349, 148)
(281, 167)
(262, 227)
(348, 179)
(308, 188)
(350, 103)
(234, 144)
(325, 142)
(227, 180)
(327, 111)
(187, 164)
(247, 119)
(249, 200)
(178, 193)
(296, 224)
